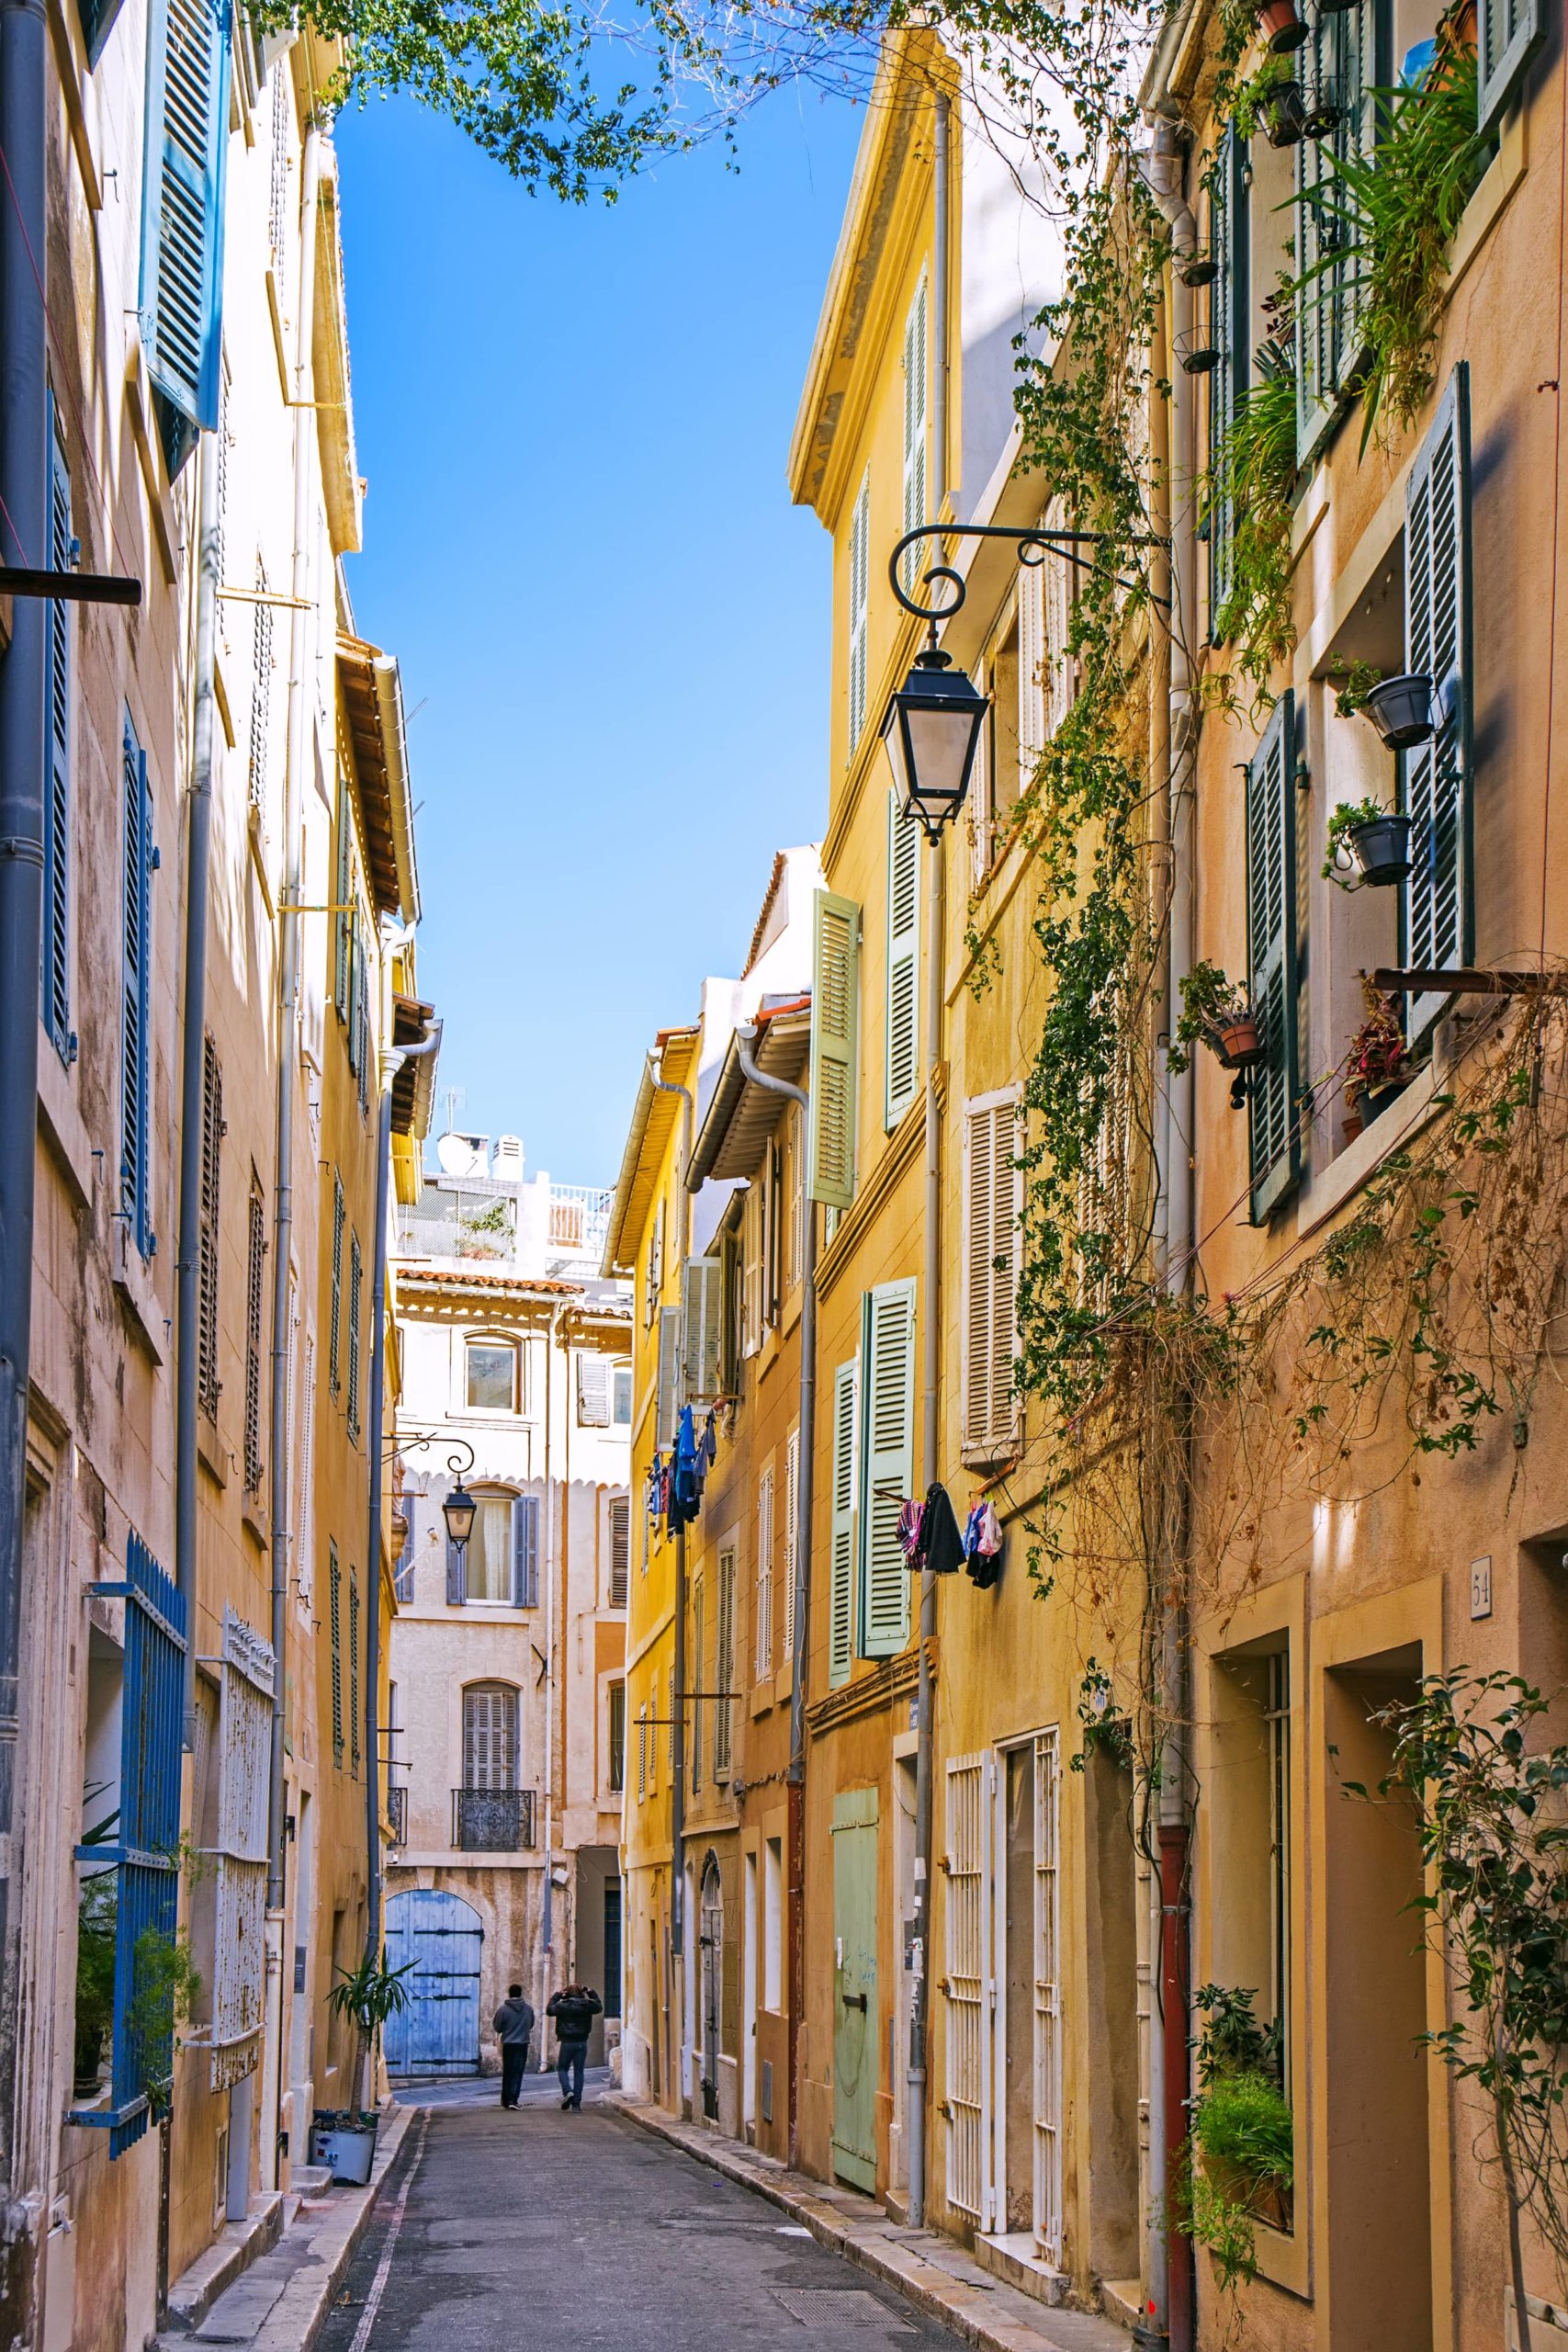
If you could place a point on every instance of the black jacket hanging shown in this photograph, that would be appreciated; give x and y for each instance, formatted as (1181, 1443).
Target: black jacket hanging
(940, 1547)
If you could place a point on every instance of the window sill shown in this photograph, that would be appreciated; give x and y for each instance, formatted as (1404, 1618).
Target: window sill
(1359, 1161)
(133, 1280)
(62, 1121)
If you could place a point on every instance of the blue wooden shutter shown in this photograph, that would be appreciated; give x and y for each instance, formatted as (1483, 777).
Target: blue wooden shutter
(1343, 68)
(1230, 318)
(56, 961)
(525, 1560)
(1435, 783)
(887, 1455)
(136, 1070)
(1507, 36)
(903, 1041)
(181, 216)
(1274, 1121)
(841, 1593)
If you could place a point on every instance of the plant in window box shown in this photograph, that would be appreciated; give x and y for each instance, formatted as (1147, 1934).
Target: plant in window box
(1253, 102)
(1367, 844)
(1215, 1012)
(1378, 1063)
(1240, 2165)
(95, 1976)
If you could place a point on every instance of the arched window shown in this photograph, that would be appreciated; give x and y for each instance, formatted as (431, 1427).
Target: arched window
(490, 1736)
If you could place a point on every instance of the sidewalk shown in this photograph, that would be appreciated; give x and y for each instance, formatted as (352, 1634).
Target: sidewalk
(932, 2270)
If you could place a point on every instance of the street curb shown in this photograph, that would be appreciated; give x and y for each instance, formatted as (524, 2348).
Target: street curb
(296, 2318)
(954, 2290)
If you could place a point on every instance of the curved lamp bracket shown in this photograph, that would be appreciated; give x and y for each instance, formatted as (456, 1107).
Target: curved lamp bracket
(1034, 547)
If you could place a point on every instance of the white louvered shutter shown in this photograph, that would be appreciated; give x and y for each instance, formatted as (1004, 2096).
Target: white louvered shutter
(1273, 1127)
(1031, 726)
(702, 1329)
(620, 1549)
(888, 1352)
(965, 1986)
(992, 1205)
(1436, 775)
(916, 421)
(860, 607)
(841, 1563)
(790, 1520)
(669, 1404)
(762, 1631)
(903, 1056)
(1057, 586)
(592, 1392)
(835, 999)
(1508, 33)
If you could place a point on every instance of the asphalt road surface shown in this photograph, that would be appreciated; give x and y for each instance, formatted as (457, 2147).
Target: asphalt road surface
(535, 2228)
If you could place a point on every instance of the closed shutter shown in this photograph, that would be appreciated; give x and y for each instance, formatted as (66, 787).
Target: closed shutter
(136, 1075)
(669, 1403)
(723, 1667)
(490, 1736)
(335, 1349)
(1058, 593)
(1436, 775)
(239, 1957)
(860, 607)
(903, 960)
(335, 1605)
(966, 1985)
(255, 1267)
(355, 1731)
(1231, 310)
(1031, 679)
(888, 1352)
(702, 1329)
(56, 959)
(796, 1197)
(355, 1287)
(1342, 69)
(792, 1520)
(835, 998)
(1272, 1118)
(182, 220)
(841, 1592)
(763, 1632)
(915, 433)
(208, 1386)
(1508, 34)
(620, 1549)
(992, 1204)
(592, 1392)
(343, 889)
(526, 1552)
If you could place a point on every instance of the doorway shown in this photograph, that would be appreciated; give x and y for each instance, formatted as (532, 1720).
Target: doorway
(856, 2014)
(711, 1944)
(442, 1936)
(753, 1962)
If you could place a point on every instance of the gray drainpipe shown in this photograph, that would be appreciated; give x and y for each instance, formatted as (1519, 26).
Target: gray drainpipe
(188, 1269)
(678, 1707)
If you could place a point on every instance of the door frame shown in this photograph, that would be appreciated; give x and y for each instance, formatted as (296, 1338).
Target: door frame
(858, 1809)
(1046, 2244)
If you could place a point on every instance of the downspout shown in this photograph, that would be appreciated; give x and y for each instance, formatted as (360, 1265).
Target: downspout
(547, 1933)
(188, 1269)
(744, 1039)
(24, 480)
(678, 1702)
(1170, 2260)
(287, 1079)
(917, 1928)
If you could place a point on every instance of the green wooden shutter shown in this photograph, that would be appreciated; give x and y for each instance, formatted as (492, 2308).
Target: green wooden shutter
(702, 1320)
(355, 1301)
(903, 1059)
(841, 1559)
(887, 1453)
(1342, 67)
(915, 433)
(1273, 1124)
(835, 1001)
(136, 1061)
(1435, 785)
(1508, 34)
(181, 216)
(56, 960)
(1230, 318)
(334, 1590)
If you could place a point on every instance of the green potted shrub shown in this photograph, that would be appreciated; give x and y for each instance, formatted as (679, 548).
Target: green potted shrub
(1241, 2149)
(344, 2138)
(1377, 1066)
(1215, 1012)
(1368, 842)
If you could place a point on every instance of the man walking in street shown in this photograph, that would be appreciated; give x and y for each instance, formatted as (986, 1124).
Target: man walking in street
(574, 2008)
(515, 2023)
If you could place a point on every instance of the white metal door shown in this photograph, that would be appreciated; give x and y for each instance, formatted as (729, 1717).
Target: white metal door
(968, 1984)
(1047, 2003)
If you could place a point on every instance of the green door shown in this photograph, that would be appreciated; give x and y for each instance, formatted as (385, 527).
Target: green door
(854, 1988)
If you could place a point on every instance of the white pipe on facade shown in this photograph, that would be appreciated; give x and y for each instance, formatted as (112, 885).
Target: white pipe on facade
(677, 1697)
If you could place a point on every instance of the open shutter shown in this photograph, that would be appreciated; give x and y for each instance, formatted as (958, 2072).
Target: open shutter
(915, 435)
(1057, 594)
(1435, 785)
(1031, 681)
(1342, 69)
(620, 1549)
(903, 960)
(1229, 313)
(846, 1488)
(762, 1630)
(1273, 1124)
(792, 1521)
(1508, 34)
(669, 1375)
(835, 997)
(860, 606)
(56, 961)
(182, 220)
(136, 1060)
(888, 1350)
(702, 1329)
(592, 1392)
(343, 887)
(526, 1552)
(991, 1209)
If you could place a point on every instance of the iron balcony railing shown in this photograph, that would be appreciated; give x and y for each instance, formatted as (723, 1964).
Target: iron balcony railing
(492, 1821)
(398, 1815)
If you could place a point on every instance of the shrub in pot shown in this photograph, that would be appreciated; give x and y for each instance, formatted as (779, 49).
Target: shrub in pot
(1284, 116)
(367, 1995)
(1240, 2167)
(1215, 1012)
(1366, 839)
(1378, 1063)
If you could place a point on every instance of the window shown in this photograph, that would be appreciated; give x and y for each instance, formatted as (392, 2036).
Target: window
(653, 1741)
(903, 1042)
(491, 1376)
(334, 1603)
(1274, 1121)
(1230, 331)
(489, 1570)
(791, 1501)
(490, 1736)
(702, 1311)
(362, 1013)
(209, 1387)
(261, 698)
(244, 1725)
(668, 1398)
(860, 603)
(620, 1548)
(724, 1665)
(255, 1271)
(617, 1737)
(1435, 902)
(407, 1560)
(355, 1285)
(835, 1007)
(1251, 1716)
(1345, 57)
(773, 1272)
(992, 1205)
(181, 216)
(334, 1351)
(56, 960)
(621, 1395)
(887, 1351)
(764, 1628)
(136, 1042)
(916, 421)
(642, 1752)
(354, 1720)
(592, 1392)
(772, 1926)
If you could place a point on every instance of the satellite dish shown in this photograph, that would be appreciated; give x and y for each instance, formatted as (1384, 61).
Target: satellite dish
(461, 1155)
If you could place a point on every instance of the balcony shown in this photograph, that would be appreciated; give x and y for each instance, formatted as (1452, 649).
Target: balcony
(398, 1816)
(579, 1219)
(492, 1821)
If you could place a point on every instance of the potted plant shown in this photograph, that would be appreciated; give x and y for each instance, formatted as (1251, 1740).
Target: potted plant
(367, 1995)
(1281, 26)
(1401, 710)
(1216, 1014)
(1284, 116)
(1377, 1066)
(1367, 839)
(1241, 2156)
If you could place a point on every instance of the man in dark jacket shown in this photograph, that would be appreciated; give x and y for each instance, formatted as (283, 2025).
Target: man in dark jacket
(574, 2008)
(515, 2023)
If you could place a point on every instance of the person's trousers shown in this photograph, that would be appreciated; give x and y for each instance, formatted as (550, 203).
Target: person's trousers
(513, 2059)
(568, 2067)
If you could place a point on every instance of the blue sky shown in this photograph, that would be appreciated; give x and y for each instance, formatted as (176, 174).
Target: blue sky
(612, 625)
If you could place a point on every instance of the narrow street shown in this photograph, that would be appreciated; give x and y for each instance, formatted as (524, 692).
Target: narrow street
(576, 2230)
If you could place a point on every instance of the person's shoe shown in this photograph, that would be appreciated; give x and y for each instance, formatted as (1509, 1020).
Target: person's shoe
(565, 2104)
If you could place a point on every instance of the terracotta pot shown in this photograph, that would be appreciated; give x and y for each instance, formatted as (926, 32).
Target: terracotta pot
(1281, 26)
(1235, 1041)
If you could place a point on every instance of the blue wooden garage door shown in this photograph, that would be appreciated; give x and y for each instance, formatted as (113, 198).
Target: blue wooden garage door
(438, 2033)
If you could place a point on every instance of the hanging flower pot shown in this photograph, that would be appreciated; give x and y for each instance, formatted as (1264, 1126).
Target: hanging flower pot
(1380, 849)
(1336, 7)
(1284, 117)
(1198, 353)
(1322, 118)
(1401, 710)
(1281, 26)
(1197, 269)
(1235, 1040)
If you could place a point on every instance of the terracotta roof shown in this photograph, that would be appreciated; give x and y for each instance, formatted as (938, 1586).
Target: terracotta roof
(769, 895)
(414, 1088)
(417, 1277)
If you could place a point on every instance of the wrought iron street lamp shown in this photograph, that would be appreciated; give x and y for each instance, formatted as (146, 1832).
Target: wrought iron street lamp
(460, 1505)
(931, 730)
(458, 1510)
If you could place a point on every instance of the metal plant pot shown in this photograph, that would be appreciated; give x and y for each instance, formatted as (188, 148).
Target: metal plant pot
(1380, 848)
(1377, 1098)
(1401, 710)
(348, 2148)
(1281, 26)
(1201, 359)
(1235, 1041)
(1284, 117)
(1322, 121)
(1197, 269)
